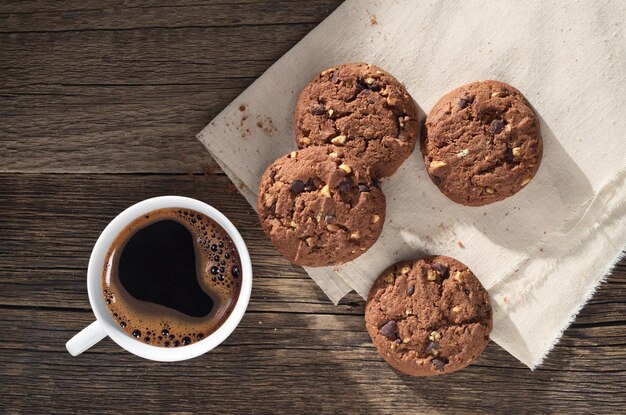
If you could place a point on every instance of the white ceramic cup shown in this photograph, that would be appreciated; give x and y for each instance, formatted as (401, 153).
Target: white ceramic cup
(105, 325)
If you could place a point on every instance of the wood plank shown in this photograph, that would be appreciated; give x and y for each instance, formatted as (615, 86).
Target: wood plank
(131, 99)
(176, 7)
(336, 331)
(109, 128)
(151, 56)
(294, 363)
(92, 15)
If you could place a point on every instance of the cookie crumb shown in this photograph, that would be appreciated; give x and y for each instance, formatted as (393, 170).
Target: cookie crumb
(270, 127)
(207, 169)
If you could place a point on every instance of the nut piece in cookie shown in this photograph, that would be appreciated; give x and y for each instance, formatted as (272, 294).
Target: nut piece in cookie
(481, 143)
(320, 206)
(363, 109)
(428, 316)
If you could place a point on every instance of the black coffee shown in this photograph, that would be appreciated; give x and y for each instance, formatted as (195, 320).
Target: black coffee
(171, 277)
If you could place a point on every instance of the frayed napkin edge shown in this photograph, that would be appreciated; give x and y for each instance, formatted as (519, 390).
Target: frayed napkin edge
(584, 301)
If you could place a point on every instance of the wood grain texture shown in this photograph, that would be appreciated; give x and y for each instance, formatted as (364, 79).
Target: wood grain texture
(290, 363)
(292, 347)
(124, 87)
(99, 108)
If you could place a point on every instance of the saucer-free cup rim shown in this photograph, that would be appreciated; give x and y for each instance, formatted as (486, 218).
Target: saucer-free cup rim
(94, 281)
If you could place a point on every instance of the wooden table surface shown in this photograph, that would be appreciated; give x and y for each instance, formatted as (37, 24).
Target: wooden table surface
(99, 109)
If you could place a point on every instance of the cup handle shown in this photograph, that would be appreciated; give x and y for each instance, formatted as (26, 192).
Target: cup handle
(86, 338)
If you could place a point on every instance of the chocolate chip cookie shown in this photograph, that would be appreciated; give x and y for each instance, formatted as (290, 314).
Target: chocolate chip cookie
(320, 207)
(361, 108)
(428, 316)
(482, 143)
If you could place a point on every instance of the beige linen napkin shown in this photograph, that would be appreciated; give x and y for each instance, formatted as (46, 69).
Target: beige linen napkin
(540, 253)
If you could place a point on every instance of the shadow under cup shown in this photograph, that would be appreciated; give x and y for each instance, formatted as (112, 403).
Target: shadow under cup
(105, 324)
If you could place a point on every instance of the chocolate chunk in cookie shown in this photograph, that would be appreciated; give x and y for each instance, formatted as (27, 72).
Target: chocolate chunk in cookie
(482, 143)
(428, 316)
(361, 108)
(312, 206)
